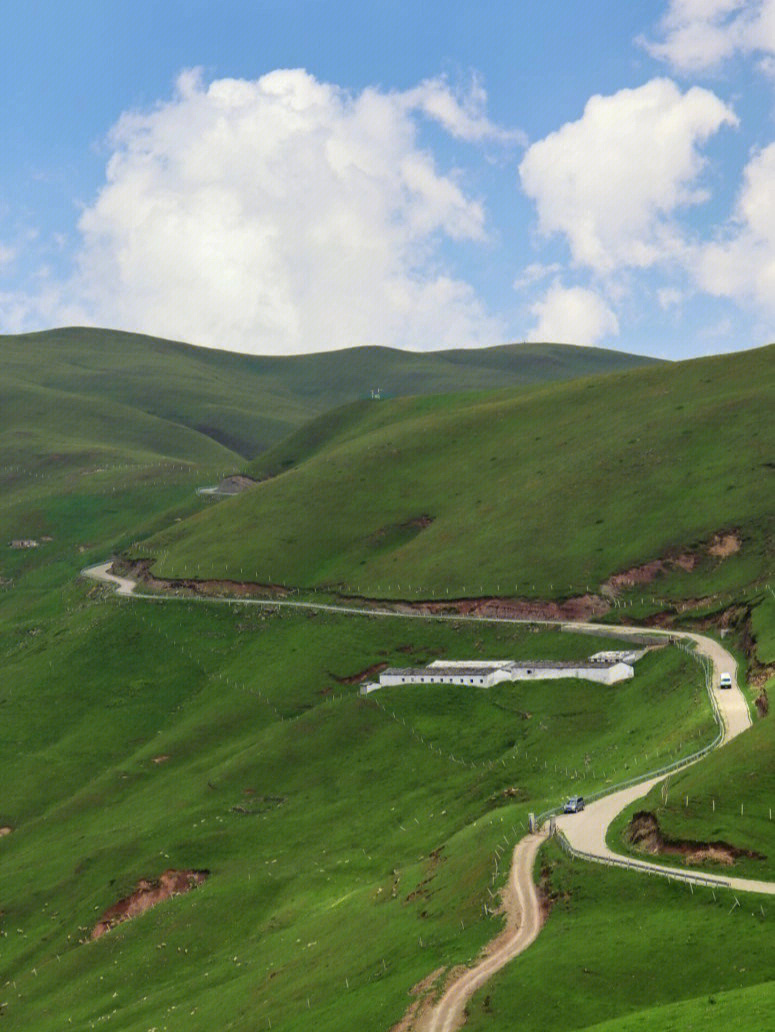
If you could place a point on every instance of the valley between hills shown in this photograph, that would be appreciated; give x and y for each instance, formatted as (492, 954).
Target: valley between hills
(322, 858)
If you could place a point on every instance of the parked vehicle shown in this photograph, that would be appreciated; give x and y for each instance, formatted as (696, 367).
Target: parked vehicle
(574, 805)
(725, 681)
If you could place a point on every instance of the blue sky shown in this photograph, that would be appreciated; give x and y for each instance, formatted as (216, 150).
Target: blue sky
(278, 177)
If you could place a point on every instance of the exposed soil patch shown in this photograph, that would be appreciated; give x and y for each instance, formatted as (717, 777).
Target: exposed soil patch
(720, 546)
(581, 607)
(425, 995)
(421, 522)
(262, 804)
(762, 703)
(140, 570)
(361, 675)
(235, 484)
(724, 544)
(547, 895)
(160, 759)
(147, 895)
(5, 830)
(422, 892)
(644, 834)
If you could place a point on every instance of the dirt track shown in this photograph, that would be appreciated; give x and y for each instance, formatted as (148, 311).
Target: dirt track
(523, 923)
(585, 831)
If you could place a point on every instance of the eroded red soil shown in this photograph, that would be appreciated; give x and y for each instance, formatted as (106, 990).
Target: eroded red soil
(720, 546)
(581, 607)
(147, 895)
(140, 570)
(644, 833)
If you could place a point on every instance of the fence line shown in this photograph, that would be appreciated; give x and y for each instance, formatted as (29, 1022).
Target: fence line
(704, 662)
(642, 865)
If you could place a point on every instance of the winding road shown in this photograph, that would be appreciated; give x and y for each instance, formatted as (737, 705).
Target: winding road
(585, 832)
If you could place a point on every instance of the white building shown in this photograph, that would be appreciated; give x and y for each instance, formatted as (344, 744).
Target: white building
(486, 673)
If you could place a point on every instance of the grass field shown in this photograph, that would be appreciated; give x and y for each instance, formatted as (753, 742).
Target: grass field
(539, 494)
(353, 843)
(350, 854)
(634, 953)
(729, 797)
(247, 402)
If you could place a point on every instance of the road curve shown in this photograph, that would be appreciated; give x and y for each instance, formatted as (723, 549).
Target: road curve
(123, 585)
(586, 832)
(523, 924)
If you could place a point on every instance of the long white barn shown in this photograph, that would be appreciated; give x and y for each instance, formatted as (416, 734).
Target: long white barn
(608, 668)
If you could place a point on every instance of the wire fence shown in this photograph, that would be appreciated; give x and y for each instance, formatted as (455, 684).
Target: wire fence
(685, 761)
(711, 881)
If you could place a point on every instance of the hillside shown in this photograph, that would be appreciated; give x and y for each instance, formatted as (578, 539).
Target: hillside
(102, 430)
(540, 494)
(348, 847)
(247, 402)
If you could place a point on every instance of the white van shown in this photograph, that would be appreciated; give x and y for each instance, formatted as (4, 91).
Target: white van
(725, 681)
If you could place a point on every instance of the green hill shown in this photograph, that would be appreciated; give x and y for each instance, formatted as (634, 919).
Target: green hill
(246, 402)
(99, 429)
(542, 493)
(353, 843)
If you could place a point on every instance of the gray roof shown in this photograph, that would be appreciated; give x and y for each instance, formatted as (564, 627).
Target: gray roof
(561, 664)
(453, 671)
(485, 671)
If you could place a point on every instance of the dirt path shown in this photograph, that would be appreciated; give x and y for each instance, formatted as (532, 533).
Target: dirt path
(586, 831)
(523, 923)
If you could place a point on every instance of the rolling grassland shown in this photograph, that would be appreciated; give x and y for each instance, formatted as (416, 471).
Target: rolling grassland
(355, 846)
(351, 843)
(247, 402)
(546, 494)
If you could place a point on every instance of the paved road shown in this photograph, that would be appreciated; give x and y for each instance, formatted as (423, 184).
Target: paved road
(123, 585)
(586, 831)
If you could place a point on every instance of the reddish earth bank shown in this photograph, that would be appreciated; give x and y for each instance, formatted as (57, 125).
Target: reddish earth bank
(369, 671)
(147, 895)
(720, 546)
(643, 832)
(582, 607)
(140, 570)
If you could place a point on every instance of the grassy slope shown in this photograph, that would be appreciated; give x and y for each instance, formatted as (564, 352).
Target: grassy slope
(349, 802)
(93, 691)
(617, 945)
(540, 493)
(247, 402)
(742, 774)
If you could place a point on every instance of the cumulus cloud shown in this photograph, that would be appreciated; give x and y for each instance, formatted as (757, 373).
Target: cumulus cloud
(612, 181)
(572, 315)
(741, 265)
(697, 35)
(286, 215)
(669, 297)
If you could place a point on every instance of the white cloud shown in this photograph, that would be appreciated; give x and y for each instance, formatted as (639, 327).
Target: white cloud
(697, 35)
(534, 273)
(462, 114)
(612, 180)
(285, 215)
(572, 315)
(7, 254)
(668, 297)
(741, 265)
